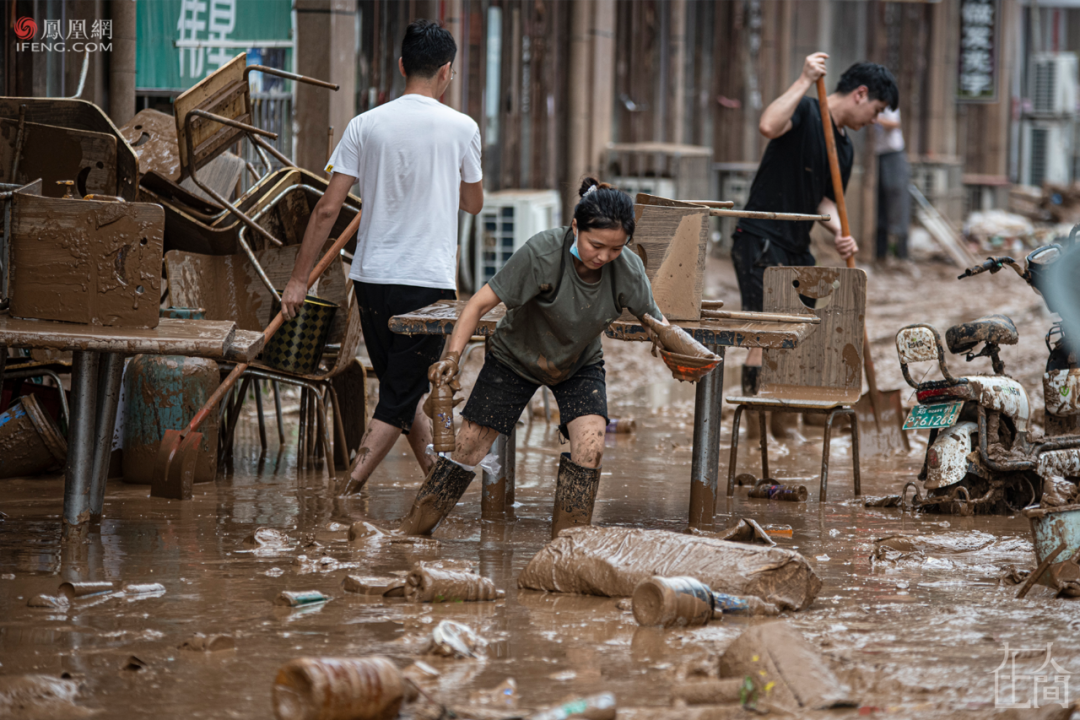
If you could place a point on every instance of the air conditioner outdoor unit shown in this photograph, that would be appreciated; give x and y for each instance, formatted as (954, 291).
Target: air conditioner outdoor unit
(661, 187)
(1046, 152)
(508, 220)
(1053, 84)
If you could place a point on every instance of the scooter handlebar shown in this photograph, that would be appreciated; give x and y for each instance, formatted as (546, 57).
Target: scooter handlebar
(992, 265)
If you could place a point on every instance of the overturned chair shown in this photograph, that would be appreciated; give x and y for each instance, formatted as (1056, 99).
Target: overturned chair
(823, 374)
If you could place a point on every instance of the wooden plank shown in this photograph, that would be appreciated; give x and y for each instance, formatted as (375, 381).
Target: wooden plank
(244, 347)
(202, 93)
(673, 241)
(55, 153)
(439, 319)
(828, 366)
(86, 261)
(152, 134)
(197, 338)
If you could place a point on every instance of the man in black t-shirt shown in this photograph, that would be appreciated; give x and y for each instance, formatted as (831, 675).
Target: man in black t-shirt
(794, 176)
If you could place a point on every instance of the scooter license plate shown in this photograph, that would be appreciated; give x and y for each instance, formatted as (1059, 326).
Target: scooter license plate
(925, 417)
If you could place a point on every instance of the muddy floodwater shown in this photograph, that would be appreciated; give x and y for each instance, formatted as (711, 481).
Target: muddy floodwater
(916, 634)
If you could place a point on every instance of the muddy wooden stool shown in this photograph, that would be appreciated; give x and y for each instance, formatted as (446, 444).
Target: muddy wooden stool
(823, 375)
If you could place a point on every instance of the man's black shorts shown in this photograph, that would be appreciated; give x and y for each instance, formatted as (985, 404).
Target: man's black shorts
(751, 255)
(400, 361)
(499, 395)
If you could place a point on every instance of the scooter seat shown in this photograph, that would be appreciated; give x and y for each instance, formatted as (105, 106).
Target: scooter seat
(996, 329)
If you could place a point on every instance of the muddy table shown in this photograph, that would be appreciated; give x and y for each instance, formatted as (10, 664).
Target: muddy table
(498, 493)
(95, 386)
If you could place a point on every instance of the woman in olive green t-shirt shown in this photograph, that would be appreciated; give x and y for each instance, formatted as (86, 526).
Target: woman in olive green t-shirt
(561, 291)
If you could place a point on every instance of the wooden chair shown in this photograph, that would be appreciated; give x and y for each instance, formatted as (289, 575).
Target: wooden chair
(823, 374)
(229, 286)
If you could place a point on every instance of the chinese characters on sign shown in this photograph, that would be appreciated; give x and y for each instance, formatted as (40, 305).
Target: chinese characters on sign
(978, 54)
(216, 18)
(1047, 685)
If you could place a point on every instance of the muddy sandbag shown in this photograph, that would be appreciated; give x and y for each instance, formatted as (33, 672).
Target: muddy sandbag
(612, 561)
(786, 670)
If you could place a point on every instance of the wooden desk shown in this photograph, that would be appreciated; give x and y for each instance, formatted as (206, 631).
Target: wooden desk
(439, 319)
(95, 387)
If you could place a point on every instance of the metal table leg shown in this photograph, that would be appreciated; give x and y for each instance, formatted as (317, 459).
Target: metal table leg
(84, 377)
(498, 492)
(705, 464)
(110, 374)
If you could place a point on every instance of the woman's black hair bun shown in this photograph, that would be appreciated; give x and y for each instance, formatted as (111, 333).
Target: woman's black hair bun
(590, 183)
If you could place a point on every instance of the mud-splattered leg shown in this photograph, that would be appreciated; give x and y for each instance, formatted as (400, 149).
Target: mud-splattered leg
(420, 437)
(377, 441)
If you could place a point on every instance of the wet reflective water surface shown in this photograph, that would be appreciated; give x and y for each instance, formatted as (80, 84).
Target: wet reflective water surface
(917, 633)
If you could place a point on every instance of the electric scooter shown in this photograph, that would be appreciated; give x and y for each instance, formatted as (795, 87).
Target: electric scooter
(982, 455)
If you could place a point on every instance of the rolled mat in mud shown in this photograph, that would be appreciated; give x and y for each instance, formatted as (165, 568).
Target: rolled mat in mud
(430, 584)
(784, 668)
(612, 561)
(370, 688)
(30, 442)
(298, 344)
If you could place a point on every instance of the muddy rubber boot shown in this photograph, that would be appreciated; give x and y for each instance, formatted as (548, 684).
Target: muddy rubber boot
(444, 485)
(575, 495)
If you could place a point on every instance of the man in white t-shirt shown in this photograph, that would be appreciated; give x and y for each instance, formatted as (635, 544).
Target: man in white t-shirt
(416, 161)
(894, 175)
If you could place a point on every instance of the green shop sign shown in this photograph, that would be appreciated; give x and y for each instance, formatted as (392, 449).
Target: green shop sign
(182, 41)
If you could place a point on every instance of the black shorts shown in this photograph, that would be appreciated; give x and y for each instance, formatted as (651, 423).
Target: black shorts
(500, 394)
(751, 255)
(400, 361)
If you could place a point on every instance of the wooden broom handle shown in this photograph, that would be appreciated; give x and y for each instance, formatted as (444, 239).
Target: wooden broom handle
(834, 162)
(238, 370)
(845, 229)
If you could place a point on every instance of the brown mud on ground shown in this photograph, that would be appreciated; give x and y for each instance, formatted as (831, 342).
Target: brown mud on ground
(915, 633)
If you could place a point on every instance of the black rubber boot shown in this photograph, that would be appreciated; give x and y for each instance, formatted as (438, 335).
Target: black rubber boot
(444, 485)
(575, 495)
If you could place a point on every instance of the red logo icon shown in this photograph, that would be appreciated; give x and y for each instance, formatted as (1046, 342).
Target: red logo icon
(25, 28)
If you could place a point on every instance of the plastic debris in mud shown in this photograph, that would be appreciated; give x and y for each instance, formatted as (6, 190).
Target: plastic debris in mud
(593, 707)
(621, 426)
(747, 531)
(50, 602)
(885, 501)
(208, 643)
(452, 639)
(381, 586)
(35, 696)
(787, 493)
(784, 669)
(266, 538)
(73, 590)
(430, 584)
(369, 688)
(300, 598)
(144, 589)
(685, 601)
(503, 695)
